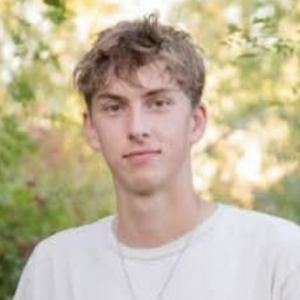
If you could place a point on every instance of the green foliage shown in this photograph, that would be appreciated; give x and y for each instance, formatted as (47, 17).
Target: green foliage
(21, 90)
(252, 50)
(42, 187)
(13, 144)
(278, 197)
(57, 14)
(55, 3)
(26, 218)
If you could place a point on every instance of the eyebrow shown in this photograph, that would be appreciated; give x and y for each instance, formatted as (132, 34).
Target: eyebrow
(117, 97)
(112, 96)
(157, 92)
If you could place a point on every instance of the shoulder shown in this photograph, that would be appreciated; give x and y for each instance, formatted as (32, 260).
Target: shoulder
(79, 239)
(272, 238)
(261, 224)
(61, 254)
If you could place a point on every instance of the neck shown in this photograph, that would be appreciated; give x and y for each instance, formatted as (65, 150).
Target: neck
(153, 220)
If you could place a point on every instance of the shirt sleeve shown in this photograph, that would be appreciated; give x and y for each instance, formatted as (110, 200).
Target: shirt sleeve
(35, 282)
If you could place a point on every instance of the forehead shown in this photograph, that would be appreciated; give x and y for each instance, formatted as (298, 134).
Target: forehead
(154, 76)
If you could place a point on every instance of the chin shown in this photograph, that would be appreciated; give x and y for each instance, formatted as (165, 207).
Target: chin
(144, 186)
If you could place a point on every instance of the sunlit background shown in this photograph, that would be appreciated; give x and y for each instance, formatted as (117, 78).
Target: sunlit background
(50, 179)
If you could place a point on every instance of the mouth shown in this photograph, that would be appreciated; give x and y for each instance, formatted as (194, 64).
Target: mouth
(141, 155)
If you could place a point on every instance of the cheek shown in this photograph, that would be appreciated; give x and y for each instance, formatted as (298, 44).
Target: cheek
(107, 138)
(109, 142)
(178, 136)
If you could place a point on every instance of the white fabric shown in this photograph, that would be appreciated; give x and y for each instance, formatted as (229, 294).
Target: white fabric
(234, 255)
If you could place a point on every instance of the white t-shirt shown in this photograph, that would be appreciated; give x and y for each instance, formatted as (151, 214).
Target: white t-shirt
(234, 255)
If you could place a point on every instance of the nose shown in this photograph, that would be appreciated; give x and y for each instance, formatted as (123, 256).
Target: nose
(138, 128)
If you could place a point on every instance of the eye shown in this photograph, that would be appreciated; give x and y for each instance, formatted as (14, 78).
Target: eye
(160, 103)
(112, 107)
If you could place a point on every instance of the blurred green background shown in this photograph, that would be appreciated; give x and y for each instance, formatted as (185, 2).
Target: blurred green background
(50, 179)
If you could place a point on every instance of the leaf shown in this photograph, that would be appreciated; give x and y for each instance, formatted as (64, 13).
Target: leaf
(55, 3)
(248, 55)
(21, 91)
(56, 14)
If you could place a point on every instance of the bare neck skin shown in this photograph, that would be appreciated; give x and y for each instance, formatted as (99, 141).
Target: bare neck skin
(158, 218)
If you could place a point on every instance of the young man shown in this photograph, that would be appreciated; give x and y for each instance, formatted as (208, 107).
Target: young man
(142, 82)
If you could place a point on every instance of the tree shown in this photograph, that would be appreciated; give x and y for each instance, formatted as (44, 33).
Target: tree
(252, 150)
(42, 185)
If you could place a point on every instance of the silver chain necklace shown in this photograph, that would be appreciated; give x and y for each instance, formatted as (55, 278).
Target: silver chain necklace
(170, 275)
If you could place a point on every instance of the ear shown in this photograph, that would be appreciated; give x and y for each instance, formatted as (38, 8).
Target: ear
(90, 132)
(198, 123)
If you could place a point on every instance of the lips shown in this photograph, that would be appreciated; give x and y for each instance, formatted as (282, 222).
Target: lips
(139, 156)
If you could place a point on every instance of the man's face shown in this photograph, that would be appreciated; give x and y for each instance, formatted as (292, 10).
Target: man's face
(144, 131)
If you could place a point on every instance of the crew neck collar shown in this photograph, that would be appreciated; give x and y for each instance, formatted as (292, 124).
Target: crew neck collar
(167, 249)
